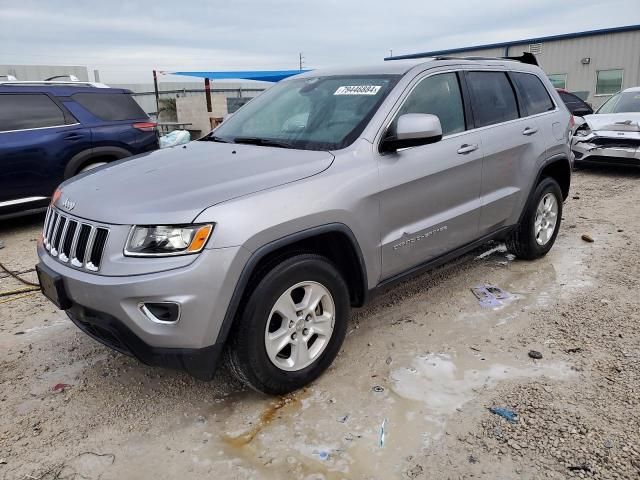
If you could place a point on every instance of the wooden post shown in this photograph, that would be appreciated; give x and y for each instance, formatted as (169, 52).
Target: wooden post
(155, 87)
(207, 94)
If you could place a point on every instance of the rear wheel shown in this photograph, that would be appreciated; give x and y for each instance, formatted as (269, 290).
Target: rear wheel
(537, 232)
(291, 327)
(91, 166)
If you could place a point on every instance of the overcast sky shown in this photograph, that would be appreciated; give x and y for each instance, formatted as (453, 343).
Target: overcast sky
(126, 40)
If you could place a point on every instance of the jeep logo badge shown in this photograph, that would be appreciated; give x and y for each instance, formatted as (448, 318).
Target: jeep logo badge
(68, 204)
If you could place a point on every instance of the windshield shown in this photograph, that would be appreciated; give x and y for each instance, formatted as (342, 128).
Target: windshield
(318, 113)
(622, 103)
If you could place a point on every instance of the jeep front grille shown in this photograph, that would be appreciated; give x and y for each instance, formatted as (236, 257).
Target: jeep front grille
(72, 241)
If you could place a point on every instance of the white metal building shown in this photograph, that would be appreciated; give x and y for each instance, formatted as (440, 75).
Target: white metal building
(594, 64)
(42, 72)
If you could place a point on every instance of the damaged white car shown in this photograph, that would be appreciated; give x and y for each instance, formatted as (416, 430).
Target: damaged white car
(612, 134)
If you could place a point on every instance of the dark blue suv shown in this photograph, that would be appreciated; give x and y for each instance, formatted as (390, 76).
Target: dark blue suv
(50, 131)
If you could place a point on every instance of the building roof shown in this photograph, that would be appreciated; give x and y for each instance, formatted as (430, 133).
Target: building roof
(564, 36)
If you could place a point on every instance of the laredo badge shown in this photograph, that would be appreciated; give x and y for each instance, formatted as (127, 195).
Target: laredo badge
(358, 90)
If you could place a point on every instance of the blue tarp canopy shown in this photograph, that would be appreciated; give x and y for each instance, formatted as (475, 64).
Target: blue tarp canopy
(263, 76)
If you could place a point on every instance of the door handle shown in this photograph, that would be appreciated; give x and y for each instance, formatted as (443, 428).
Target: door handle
(466, 148)
(529, 131)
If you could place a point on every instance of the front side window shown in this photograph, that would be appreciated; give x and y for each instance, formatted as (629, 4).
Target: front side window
(438, 95)
(492, 98)
(110, 106)
(608, 82)
(317, 113)
(534, 95)
(558, 80)
(623, 102)
(26, 111)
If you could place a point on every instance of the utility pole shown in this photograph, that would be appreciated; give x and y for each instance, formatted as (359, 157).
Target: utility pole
(301, 60)
(391, 53)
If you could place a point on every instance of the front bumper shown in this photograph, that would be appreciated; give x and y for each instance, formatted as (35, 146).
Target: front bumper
(108, 307)
(604, 151)
(112, 332)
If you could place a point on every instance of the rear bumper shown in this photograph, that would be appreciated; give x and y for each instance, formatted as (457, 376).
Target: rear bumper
(108, 330)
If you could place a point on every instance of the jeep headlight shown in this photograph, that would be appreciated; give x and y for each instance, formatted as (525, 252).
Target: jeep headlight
(166, 240)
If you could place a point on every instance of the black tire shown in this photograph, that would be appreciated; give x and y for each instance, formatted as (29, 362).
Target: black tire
(522, 241)
(246, 353)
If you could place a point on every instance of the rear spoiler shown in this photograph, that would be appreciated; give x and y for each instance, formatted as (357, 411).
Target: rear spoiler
(526, 57)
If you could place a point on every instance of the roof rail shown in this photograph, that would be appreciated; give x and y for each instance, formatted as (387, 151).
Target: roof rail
(54, 83)
(71, 78)
(526, 57)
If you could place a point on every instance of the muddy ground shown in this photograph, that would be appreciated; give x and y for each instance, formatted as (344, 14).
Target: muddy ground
(425, 359)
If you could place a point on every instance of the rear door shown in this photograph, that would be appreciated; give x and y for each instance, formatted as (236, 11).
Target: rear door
(118, 121)
(37, 138)
(512, 144)
(429, 199)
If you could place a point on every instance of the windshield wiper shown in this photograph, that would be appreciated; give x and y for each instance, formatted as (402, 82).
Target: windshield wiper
(213, 138)
(263, 141)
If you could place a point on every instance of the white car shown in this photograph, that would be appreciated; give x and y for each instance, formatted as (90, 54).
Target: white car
(612, 134)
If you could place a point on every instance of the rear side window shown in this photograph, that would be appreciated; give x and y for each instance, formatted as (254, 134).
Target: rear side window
(535, 97)
(438, 95)
(110, 106)
(492, 98)
(573, 102)
(25, 111)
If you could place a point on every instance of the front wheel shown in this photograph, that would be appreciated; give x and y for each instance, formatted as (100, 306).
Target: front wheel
(537, 232)
(291, 327)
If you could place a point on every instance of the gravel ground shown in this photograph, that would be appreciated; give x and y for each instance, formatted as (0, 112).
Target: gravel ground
(424, 359)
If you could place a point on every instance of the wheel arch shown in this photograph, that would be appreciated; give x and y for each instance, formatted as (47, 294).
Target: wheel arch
(335, 241)
(85, 157)
(558, 168)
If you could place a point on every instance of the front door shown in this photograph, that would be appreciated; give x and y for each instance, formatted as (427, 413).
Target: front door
(430, 195)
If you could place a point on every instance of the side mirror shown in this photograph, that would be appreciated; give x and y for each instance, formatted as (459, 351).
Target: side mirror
(412, 130)
(582, 111)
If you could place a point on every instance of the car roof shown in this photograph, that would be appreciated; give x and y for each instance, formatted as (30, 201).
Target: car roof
(632, 89)
(56, 89)
(402, 67)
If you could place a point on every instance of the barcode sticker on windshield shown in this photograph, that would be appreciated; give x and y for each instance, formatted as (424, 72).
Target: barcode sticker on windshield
(358, 90)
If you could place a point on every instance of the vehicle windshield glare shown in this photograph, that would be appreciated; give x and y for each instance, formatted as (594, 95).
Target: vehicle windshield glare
(317, 113)
(622, 102)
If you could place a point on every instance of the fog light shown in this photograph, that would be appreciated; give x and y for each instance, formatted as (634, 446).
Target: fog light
(161, 312)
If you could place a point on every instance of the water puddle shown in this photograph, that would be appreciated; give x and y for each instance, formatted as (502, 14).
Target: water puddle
(312, 435)
(444, 384)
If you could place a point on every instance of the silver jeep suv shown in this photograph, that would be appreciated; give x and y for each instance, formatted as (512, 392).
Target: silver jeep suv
(254, 242)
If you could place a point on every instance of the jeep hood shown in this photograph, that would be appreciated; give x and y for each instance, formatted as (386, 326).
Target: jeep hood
(625, 122)
(174, 185)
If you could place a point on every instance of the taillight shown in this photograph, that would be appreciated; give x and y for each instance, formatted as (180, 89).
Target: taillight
(145, 126)
(572, 122)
